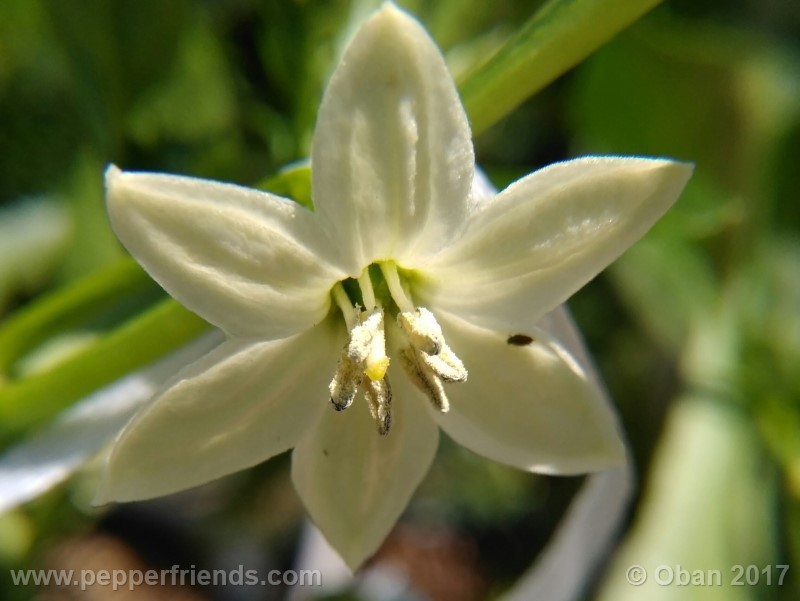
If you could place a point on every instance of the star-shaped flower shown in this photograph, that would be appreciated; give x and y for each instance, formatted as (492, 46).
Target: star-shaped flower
(404, 303)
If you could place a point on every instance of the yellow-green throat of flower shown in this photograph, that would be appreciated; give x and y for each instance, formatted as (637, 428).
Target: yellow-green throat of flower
(423, 353)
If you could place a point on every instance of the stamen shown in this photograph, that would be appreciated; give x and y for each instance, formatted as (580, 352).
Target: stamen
(367, 293)
(422, 330)
(345, 383)
(367, 345)
(424, 378)
(361, 336)
(349, 312)
(446, 365)
(389, 270)
(379, 397)
(427, 360)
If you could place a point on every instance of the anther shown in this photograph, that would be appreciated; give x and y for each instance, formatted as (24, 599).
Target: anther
(427, 360)
(365, 354)
(424, 378)
(362, 334)
(422, 330)
(367, 345)
(345, 383)
(446, 365)
(379, 398)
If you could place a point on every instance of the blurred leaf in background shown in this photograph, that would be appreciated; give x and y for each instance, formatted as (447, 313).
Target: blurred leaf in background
(715, 287)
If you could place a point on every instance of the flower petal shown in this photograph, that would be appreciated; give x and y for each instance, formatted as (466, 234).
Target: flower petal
(528, 404)
(545, 236)
(356, 483)
(559, 325)
(254, 264)
(238, 406)
(392, 154)
(51, 456)
(583, 540)
(586, 532)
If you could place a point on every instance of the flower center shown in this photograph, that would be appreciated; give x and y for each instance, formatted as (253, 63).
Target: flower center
(424, 355)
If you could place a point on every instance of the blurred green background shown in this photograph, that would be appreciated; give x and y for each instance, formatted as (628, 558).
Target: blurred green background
(696, 330)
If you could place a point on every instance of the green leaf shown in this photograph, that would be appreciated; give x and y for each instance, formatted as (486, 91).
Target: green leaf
(670, 286)
(85, 304)
(560, 35)
(293, 181)
(709, 504)
(143, 339)
(109, 58)
(198, 71)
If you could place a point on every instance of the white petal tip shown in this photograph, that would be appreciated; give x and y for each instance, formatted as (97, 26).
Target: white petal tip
(357, 558)
(392, 21)
(99, 500)
(112, 171)
(112, 176)
(109, 493)
(610, 452)
(680, 171)
(390, 10)
(104, 495)
(614, 454)
(671, 177)
(668, 175)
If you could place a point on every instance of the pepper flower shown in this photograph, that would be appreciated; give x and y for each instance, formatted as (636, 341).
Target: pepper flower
(403, 304)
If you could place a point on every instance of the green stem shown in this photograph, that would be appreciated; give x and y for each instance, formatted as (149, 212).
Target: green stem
(29, 401)
(88, 300)
(560, 35)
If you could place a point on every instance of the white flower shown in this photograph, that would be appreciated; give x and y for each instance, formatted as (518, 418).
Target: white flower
(402, 295)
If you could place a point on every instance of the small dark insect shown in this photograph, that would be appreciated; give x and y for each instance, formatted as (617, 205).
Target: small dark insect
(519, 340)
